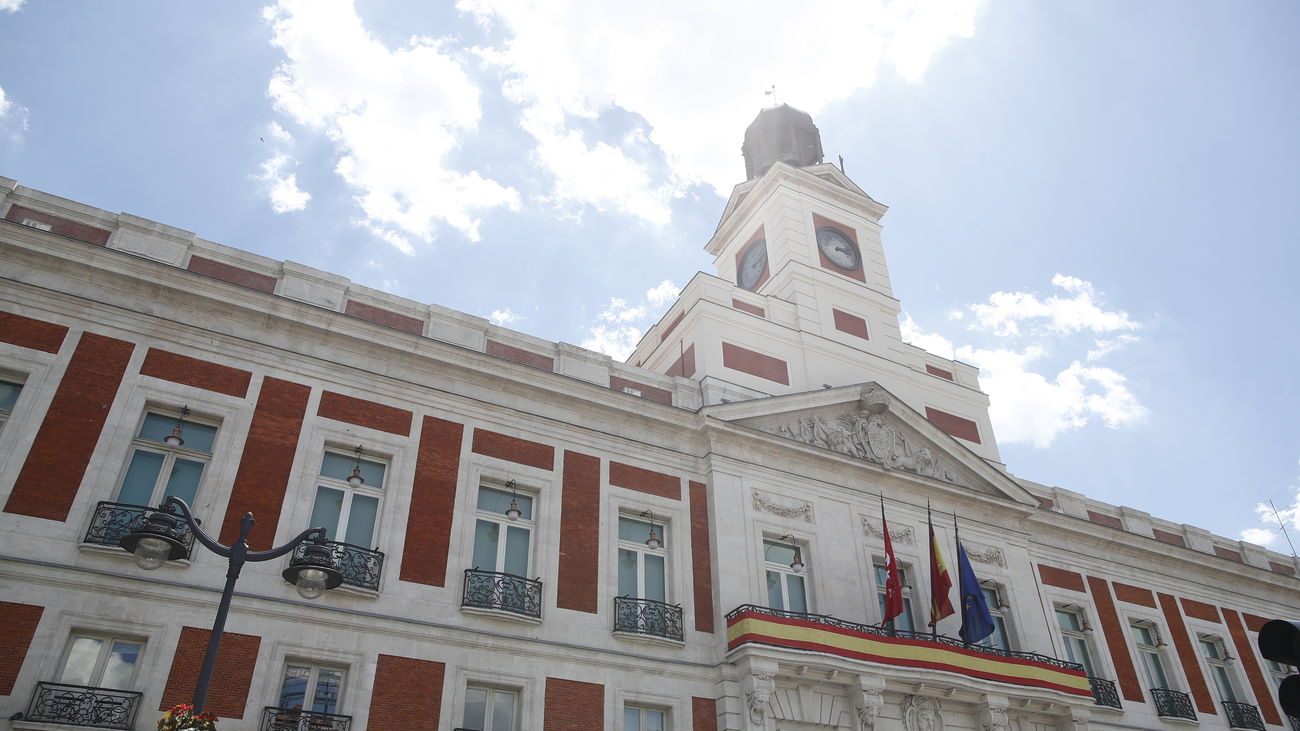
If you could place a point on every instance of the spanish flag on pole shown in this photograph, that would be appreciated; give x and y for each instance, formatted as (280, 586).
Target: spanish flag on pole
(940, 582)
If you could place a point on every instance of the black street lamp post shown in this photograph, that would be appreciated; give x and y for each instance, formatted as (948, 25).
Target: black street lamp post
(158, 540)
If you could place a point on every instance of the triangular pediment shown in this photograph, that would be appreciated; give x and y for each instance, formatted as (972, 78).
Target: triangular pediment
(867, 422)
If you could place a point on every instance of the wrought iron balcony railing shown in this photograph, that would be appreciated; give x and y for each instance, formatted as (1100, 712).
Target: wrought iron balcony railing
(294, 719)
(1173, 704)
(1104, 692)
(1295, 722)
(506, 592)
(79, 705)
(648, 617)
(1243, 716)
(111, 521)
(361, 567)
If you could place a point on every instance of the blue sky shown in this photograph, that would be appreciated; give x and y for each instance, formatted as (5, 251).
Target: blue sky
(1091, 201)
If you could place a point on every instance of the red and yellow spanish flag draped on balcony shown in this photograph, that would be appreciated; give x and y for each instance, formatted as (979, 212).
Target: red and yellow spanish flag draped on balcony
(757, 625)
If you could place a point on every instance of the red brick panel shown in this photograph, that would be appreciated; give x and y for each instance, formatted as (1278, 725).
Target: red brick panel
(28, 333)
(231, 678)
(56, 463)
(954, 425)
(433, 500)
(1187, 654)
(1103, 519)
(704, 714)
(202, 374)
(1200, 610)
(19, 622)
(684, 366)
(746, 307)
(1254, 622)
(514, 449)
(61, 226)
(650, 392)
(672, 325)
(519, 355)
(380, 316)
(232, 274)
(1116, 640)
(1060, 578)
(1228, 553)
(939, 372)
(851, 324)
(755, 364)
(407, 694)
(1170, 538)
(1134, 595)
(818, 222)
(579, 533)
(269, 450)
(701, 557)
(647, 481)
(1259, 685)
(574, 706)
(1046, 503)
(1281, 568)
(352, 410)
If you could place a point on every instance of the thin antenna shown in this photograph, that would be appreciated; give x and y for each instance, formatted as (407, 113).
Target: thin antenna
(1283, 527)
(771, 91)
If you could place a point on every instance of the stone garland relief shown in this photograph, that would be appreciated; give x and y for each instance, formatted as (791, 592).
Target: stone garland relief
(795, 509)
(866, 435)
(984, 554)
(871, 527)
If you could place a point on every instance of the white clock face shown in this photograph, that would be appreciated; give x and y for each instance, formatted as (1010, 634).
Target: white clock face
(752, 264)
(838, 248)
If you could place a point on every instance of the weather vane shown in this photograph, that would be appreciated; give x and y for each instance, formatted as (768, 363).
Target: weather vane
(771, 91)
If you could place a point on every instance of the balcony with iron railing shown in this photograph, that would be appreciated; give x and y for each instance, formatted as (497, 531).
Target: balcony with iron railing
(1173, 704)
(751, 624)
(361, 567)
(79, 705)
(494, 590)
(1243, 716)
(111, 521)
(648, 617)
(1104, 692)
(296, 719)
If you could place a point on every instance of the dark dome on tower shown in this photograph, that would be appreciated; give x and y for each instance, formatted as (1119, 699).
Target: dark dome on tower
(784, 134)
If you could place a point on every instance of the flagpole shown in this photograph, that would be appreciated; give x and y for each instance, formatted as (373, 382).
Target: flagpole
(934, 625)
(956, 537)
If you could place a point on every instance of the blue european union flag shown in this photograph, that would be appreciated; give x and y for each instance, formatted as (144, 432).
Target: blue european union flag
(976, 621)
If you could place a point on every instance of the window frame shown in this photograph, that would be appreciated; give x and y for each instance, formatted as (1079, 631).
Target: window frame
(642, 551)
(314, 668)
(490, 689)
(879, 567)
(338, 533)
(108, 637)
(1081, 636)
(1222, 664)
(785, 574)
(528, 524)
(170, 454)
(1154, 650)
(1000, 611)
(21, 384)
(642, 708)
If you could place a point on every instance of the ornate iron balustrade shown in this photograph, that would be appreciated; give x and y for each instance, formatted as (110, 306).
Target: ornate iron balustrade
(1295, 722)
(871, 629)
(79, 705)
(111, 521)
(648, 617)
(361, 567)
(1104, 692)
(506, 592)
(1173, 704)
(295, 719)
(1243, 716)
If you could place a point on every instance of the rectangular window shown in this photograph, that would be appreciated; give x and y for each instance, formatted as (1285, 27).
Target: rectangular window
(1073, 636)
(348, 494)
(8, 397)
(643, 719)
(503, 540)
(311, 687)
(640, 567)
(1216, 658)
(785, 584)
(167, 459)
(489, 709)
(101, 661)
(1147, 643)
(903, 621)
(998, 610)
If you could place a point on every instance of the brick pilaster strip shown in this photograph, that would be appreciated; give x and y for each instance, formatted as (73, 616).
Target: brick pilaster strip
(579, 533)
(1259, 685)
(231, 678)
(56, 463)
(704, 714)
(701, 557)
(1116, 640)
(1187, 654)
(572, 705)
(19, 622)
(407, 693)
(433, 501)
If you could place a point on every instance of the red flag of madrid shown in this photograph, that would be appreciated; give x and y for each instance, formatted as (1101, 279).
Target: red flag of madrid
(893, 586)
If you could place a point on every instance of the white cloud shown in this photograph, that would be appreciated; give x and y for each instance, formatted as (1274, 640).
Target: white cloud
(13, 116)
(1008, 313)
(572, 60)
(502, 317)
(281, 186)
(278, 133)
(619, 327)
(395, 116)
(11, 6)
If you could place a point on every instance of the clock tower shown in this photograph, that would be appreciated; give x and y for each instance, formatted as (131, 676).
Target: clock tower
(802, 299)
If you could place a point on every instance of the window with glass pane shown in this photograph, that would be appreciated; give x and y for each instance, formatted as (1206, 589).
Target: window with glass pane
(785, 588)
(999, 637)
(158, 470)
(100, 661)
(641, 568)
(642, 719)
(489, 709)
(348, 513)
(1146, 642)
(500, 544)
(1216, 657)
(903, 621)
(311, 687)
(8, 397)
(1073, 637)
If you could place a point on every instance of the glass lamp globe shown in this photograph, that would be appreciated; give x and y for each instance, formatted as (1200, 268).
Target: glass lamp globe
(311, 583)
(151, 552)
